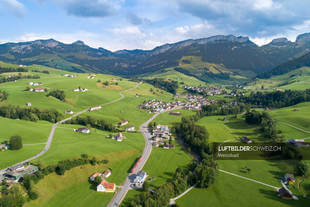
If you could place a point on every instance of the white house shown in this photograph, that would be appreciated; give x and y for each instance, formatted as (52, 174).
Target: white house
(28, 104)
(69, 112)
(83, 130)
(130, 129)
(140, 178)
(94, 108)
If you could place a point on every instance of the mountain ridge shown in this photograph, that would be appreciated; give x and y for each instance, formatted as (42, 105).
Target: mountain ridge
(234, 52)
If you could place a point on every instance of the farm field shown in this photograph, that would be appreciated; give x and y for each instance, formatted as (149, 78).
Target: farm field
(33, 134)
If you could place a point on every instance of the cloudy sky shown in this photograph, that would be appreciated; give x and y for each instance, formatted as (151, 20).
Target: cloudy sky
(144, 24)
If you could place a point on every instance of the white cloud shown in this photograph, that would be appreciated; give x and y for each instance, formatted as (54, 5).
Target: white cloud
(13, 6)
(129, 30)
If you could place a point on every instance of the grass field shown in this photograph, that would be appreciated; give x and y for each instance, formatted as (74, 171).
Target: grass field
(33, 135)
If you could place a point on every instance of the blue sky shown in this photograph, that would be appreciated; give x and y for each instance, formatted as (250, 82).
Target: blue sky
(145, 24)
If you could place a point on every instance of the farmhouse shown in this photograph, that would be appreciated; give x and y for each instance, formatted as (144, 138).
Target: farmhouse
(68, 112)
(123, 123)
(37, 90)
(130, 129)
(28, 104)
(105, 186)
(119, 137)
(107, 173)
(80, 89)
(15, 173)
(83, 130)
(4, 146)
(298, 143)
(94, 108)
(35, 83)
(70, 76)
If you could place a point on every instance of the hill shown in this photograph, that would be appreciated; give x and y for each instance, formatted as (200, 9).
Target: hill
(229, 51)
(288, 66)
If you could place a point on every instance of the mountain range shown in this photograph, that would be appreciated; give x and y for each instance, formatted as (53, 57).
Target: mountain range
(231, 52)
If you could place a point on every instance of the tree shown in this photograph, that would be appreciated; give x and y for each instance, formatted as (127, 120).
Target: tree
(146, 186)
(302, 168)
(97, 180)
(16, 142)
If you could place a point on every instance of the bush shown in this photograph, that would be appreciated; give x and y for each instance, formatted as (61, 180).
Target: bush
(33, 195)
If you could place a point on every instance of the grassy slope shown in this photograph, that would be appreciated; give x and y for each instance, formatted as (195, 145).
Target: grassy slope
(298, 79)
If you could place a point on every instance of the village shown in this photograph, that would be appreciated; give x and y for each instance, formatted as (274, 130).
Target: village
(193, 102)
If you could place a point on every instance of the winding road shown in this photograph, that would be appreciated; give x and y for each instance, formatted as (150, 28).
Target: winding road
(120, 195)
(51, 135)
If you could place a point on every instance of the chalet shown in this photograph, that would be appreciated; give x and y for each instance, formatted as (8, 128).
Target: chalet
(130, 129)
(123, 123)
(107, 173)
(245, 140)
(15, 173)
(176, 113)
(94, 108)
(106, 187)
(28, 104)
(80, 90)
(83, 130)
(68, 112)
(298, 143)
(70, 76)
(93, 176)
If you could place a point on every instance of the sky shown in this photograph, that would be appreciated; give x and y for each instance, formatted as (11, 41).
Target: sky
(145, 24)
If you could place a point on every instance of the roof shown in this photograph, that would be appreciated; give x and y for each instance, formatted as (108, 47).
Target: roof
(96, 175)
(107, 172)
(107, 185)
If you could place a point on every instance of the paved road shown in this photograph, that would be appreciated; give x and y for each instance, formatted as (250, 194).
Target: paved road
(51, 135)
(172, 200)
(120, 195)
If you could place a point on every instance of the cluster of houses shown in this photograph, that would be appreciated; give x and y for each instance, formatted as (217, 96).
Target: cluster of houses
(79, 89)
(70, 76)
(161, 136)
(209, 91)
(128, 129)
(195, 102)
(16, 173)
(35, 83)
(38, 90)
(155, 106)
(91, 76)
(137, 180)
(104, 185)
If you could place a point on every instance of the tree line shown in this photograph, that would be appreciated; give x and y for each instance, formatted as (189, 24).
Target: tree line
(17, 77)
(224, 108)
(267, 123)
(93, 122)
(30, 114)
(170, 86)
(12, 70)
(59, 94)
(3, 95)
(276, 99)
